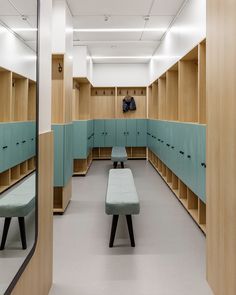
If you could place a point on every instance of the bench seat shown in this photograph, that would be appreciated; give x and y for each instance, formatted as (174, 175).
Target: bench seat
(121, 199)
(18, 202)
(119, 154)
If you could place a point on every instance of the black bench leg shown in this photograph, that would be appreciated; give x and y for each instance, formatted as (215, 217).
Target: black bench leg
(22, 232)
(5, 232)
(115, 165)
(113, 229)
(122, 165)
(130, 227)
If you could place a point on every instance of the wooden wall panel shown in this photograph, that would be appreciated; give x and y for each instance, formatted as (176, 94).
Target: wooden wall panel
(85, 101)
(153, 101)
(162, 98)
(20, 99)
(32, 101)
(5, 96)
(202, 83)
(37, 277)
(221, 146)
(172, 95)
(103, 107)
(188, 91)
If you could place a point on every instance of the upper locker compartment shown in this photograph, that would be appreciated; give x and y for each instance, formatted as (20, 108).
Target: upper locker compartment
(81, 102)
(103, 102)
(5, 95)
(140, 96)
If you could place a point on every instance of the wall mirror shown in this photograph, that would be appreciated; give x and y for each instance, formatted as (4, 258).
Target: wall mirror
(18, 140)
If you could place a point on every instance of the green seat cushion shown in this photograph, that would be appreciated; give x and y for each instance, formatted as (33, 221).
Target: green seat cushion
(122, 197)
(19, 201)
(119, 154)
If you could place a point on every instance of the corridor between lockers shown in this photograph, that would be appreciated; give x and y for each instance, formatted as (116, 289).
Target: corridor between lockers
(169, 257)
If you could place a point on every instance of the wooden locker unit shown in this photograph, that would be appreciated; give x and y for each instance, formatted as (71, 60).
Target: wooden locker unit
(153, 101)
(162, 98)
(188, 87)
(172, 94)
(202, 82)
(17, 131)
(62, 86)
(81, 99)
(5, 95)
(32, 101)
(103, 102)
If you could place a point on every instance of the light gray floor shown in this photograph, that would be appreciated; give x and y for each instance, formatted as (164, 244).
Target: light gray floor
(169, 258)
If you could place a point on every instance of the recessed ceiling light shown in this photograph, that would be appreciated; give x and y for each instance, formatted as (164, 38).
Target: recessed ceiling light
(124, 30)
(121, 57)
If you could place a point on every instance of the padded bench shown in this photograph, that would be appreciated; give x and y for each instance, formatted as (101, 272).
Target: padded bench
(121, 199)
(118, 154)
(18, 202)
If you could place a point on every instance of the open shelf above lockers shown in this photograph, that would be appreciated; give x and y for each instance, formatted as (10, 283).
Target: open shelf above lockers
(106, 102)
(61, 89)
(17, 97)
(180, 93)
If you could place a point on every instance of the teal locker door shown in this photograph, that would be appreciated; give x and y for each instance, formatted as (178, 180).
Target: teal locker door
(14, 149)
(201, 162)
(158, 140)
(5, 147)
(141, 133)
(121, 132)
(99, 133)
(110, 133)
(149, 137)
(68, 153)
(131, 132)
(168, 144)
(172, 146)
(80, 139)
(17, 141)
(89, 136)
(58, 155)
(154, 137)
(25, 141)
(189, 155)
(152, 131)
(179, 137)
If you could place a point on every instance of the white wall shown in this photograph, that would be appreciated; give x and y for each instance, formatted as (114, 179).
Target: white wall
(45, 52)
(80, 61)
(188, 30)
(120, 75)
(16, 56)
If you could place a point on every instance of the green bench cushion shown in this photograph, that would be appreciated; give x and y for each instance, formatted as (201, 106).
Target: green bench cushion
(122, 197)
(20, 201)
(119, 154)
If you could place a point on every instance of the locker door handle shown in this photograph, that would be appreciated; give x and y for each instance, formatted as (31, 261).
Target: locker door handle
(203, 165)
(138, 133)
(32, 139)
(181, 152)
(4, 147)
(17, 143)
(24, 141)
(148, 134)
(189, 157)
(168, 144)
(159, 139)
(172, 147)
(162, 141)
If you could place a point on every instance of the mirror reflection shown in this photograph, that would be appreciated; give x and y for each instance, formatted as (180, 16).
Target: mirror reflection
(18, 36)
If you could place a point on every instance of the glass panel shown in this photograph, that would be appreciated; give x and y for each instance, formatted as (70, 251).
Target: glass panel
(18, 129)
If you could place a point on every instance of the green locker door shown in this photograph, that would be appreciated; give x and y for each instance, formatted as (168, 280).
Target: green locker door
(110, 133)
(141, 133)
(131, 132)
(68, 153)
(5, 143)
(80, 139)
(121, 132)
(24, 141)
(99, 133)
(201, 162)
(58, 155)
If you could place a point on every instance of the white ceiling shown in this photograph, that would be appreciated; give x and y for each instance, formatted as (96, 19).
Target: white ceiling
(90, 14)
(20, 14)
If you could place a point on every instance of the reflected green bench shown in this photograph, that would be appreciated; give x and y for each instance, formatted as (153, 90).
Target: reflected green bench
(121, 199)
(118, 154)
(18, 202)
